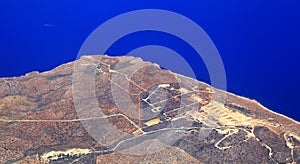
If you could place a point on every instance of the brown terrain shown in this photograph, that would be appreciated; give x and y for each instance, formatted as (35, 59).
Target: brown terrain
(102, 109)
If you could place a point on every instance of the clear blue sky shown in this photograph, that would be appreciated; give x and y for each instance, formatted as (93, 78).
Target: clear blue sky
(259, 41)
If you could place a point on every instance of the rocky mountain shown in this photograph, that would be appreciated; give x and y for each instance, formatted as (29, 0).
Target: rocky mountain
(102, 109)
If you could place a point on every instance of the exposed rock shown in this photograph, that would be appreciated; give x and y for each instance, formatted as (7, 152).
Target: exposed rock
(102, 109)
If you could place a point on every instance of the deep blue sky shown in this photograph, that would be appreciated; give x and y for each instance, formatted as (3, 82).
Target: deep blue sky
(259, 41)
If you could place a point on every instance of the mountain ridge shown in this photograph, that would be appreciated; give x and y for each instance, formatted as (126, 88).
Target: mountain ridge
(44, 109)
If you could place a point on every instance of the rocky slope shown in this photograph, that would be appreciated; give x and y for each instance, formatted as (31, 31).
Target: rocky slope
(103, 109)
